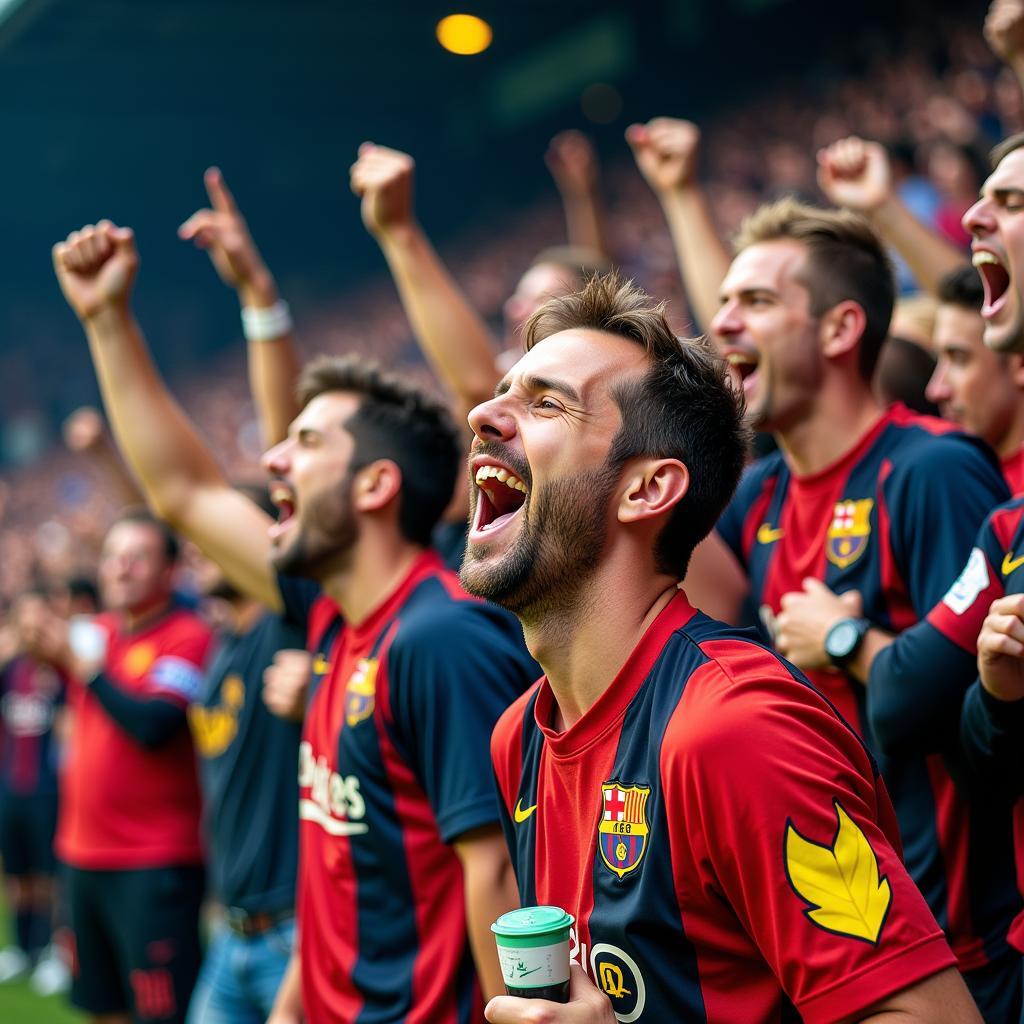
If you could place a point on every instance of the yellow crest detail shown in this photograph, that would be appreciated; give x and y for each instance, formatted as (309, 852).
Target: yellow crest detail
(137, 659)
(840, 882)
(360, 691)
(848, 533)
(214, 729)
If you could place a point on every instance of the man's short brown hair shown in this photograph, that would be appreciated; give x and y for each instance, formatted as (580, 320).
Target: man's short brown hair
(682, 408)
(1005, 148)
(845, 261)
(399, 421)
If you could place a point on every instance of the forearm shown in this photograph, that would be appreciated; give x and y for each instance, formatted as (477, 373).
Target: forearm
(875, 641)
(992, 738)
(450, 332)
(160, 445)
(150, 721)
(702, 255)
(584, 221)
(274, 366)
(288, 1002)
(929, 256)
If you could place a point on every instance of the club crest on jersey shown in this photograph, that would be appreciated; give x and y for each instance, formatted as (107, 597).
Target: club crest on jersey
(360, 692)
(623, 830)
(849, 531)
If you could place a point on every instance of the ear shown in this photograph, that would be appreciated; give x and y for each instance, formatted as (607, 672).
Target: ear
(842, 329)
(652, 489)
(376, 485)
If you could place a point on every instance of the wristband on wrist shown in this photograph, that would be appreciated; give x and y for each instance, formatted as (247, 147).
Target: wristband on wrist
(266, 324)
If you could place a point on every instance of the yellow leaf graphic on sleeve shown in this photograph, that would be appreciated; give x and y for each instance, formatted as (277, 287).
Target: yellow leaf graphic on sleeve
(840, 882)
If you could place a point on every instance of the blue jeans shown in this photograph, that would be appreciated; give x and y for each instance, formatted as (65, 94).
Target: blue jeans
(239, 977)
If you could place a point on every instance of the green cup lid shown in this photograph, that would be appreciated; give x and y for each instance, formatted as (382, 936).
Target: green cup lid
(532, 921)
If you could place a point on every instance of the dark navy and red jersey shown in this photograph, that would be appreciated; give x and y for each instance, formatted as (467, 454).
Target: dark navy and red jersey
(720, 834)
(247, 759)
(894, 519)
(123, 805)
(30, 694)
(394, 767)
(1013, 471)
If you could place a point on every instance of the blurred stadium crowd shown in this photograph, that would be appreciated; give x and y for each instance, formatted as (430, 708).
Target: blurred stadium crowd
(935, 113)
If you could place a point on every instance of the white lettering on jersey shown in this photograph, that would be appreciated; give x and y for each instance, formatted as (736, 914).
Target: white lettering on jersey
(334, 800)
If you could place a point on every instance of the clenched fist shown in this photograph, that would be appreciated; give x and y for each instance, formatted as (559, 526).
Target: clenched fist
(1001, 648)
(383, 178)
(286, 684)
(96, 268)
(224, 234)
(1004, 29)
(84, 429)
(855, 174)
(572, 162)
(665, 150)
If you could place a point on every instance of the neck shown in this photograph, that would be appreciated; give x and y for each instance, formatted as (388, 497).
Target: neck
(841, 417)
(376, 565)
(1013, 440)
(582, 647)
(135, 618)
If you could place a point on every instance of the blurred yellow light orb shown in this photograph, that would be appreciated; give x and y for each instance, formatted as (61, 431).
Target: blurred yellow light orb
(464, 34)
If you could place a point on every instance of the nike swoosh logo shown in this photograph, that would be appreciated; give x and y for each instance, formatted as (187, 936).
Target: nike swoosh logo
(522, 813)
(766, 535)
(1010, 563)
(320, 665)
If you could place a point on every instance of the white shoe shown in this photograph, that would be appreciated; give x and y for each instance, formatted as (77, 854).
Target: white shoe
(14, 962)
(51, 974)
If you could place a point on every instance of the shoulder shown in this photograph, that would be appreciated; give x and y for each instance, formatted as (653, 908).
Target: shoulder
(184, 626)
(758, 473)
(1005, 520)
(507, 735)
(921, 444)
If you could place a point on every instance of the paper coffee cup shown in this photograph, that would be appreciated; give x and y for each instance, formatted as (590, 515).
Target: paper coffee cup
(533, 949)
(87, 639)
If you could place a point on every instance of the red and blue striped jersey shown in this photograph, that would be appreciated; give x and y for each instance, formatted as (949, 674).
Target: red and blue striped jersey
(30, 694)
(393, 768)
(720, 834)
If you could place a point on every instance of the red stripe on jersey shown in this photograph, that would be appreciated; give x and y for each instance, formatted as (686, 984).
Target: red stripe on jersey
(1013, 472)
(755, 517)
(901, 612)
(507, 749)
(952, 821)
(435, 879)
(1005, 523)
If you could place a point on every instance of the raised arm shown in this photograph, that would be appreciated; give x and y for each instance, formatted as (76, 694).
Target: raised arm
(85, 433)
(180, 478)
(857, 174)
(573, 164)
(451, 333)
(665, 151)
(1004, 30)
(273, 358)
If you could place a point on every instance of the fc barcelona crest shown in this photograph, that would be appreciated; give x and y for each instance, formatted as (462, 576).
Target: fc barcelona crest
(623, 830)
(849, 532)
(360, 692)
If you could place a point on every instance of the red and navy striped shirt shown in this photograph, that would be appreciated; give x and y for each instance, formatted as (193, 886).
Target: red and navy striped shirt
(30, 694)
(394, 767)
(720, 835)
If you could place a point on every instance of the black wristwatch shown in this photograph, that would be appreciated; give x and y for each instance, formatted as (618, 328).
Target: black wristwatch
(844, 638)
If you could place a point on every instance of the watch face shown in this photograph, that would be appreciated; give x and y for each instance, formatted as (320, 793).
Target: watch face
(842, 639)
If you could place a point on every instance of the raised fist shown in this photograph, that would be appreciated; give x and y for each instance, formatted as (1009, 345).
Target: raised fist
(855, 174)
(84, 429)
(382, 178)
(1004, 29)
(40, 632)
(96, 268)
(572, 162)
(223, 233)
(286, 683)
(665, 150)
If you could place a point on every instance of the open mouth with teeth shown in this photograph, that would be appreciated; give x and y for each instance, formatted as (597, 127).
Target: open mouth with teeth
(996, 280)
(500, 497)
(743, 366)
(283, 499)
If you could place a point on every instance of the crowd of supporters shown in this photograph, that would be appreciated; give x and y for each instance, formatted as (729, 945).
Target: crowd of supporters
(872, 546)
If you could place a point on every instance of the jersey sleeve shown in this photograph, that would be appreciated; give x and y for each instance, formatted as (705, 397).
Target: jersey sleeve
(177, 671)
(732, 524)
(450, 679)
(992, 736)
(787, 823)
(937, 502)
